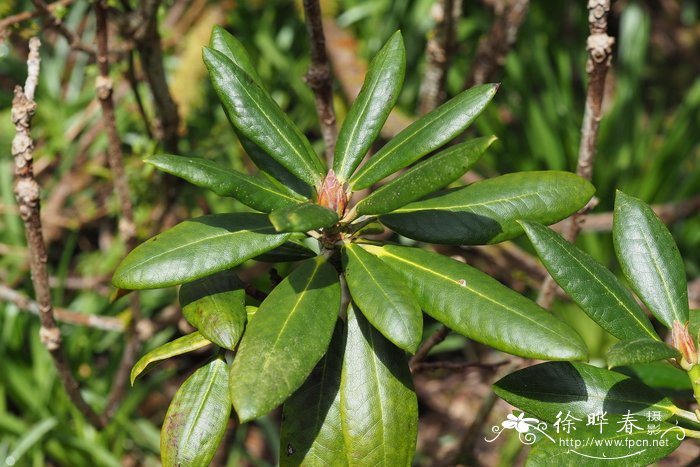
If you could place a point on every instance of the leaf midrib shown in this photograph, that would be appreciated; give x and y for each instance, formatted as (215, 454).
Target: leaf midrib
(519, 197)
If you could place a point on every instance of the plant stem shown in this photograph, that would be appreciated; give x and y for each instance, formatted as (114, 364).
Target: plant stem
(319, 77)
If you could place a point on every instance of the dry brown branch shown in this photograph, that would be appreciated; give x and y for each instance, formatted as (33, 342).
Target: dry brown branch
(319, 77)
(438, 52)
(425, 348)
(434, 366)
(55, 23)
(27, 193)
(599, 46)
(27, 15)
(24, 303)
(127, 229)
(493, 48)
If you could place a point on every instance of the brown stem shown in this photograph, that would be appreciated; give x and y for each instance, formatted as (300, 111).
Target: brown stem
(438, 53)
(493, 48)
(27, 15)
(28, 200)
(319, 77)
(431, 342)
(127, 228)
(432, 366)
(59, 26)
(599, 46)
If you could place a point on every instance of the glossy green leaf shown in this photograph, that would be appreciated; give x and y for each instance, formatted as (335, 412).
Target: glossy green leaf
(641, 350)
(303, 217)
(254, 192)
(311, 433)
(488, 211)
(197, 248)
(257, 116)
(481, 308)
(285, 339)
(591, 285)
(650, 260)
(378, 406)
(548, 388)
(659, 375)
(179, 346)
(287, 252)
(215, 305)
(223, 41)
(197, 418)
(382, 297)
(424, 135)
(614, 447)
(370, 110)
(430, 175)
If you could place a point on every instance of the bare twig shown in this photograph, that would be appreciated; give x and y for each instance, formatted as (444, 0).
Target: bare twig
(431, 342)
(599, 46)
(127, 228)
(27, 15)
(433, 366)
(27, 194)
(319, 77)
(438, 52)
(59, 26)
(24, 303)
(493, 48)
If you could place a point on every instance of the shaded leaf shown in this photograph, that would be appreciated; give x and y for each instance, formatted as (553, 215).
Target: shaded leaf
(215, 305)
(179, 346)
(481, 308)
(382, 297)
(640, 350)
(591, 285)
(424, 135)
(303, 217)
(257, 116)
(548, 388)
(436, 172)
(254, 192)
(487, 211)
(378, 406)
(370, 110)
(285, 339)
(287, 252)
(311, 433)
(197, 417)
(650, 260)
(197, 248)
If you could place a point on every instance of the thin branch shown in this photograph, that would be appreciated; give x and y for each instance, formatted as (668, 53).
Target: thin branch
(127, 228)
(24, 303)
(493, 48)
(27, 15)
(60, 27)
(433, 366)
(28, 199)
(599, 46)
(319, 77)
(438, 54)
(425, 348)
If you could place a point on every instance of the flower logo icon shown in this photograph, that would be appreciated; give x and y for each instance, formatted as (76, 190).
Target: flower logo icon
(519, 423)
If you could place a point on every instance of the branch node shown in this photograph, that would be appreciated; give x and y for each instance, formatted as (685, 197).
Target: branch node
(50, 337)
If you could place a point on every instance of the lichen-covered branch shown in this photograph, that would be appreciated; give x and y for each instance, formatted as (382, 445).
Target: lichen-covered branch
(599, 46)
(28, 200)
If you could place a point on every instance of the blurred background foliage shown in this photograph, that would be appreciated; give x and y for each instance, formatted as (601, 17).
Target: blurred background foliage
(648, 146)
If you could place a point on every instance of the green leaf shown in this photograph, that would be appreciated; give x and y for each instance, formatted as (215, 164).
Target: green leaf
(285, 339)
(481, 308)
(257, 116)
(548, 388)
(435, 173)
(424, 135)
(660, 375)
(179, 346)
(215, 305)
(197, 248)
(311, 434)
(303, 217)
(197, 417)
(642, 350)
(378, 406)
(614, 447)
(254, 192)
(488, 211)
(650, 260)
(382, 297)
(370, 110)
(592, 286)
(287, 252)
(223, 41)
